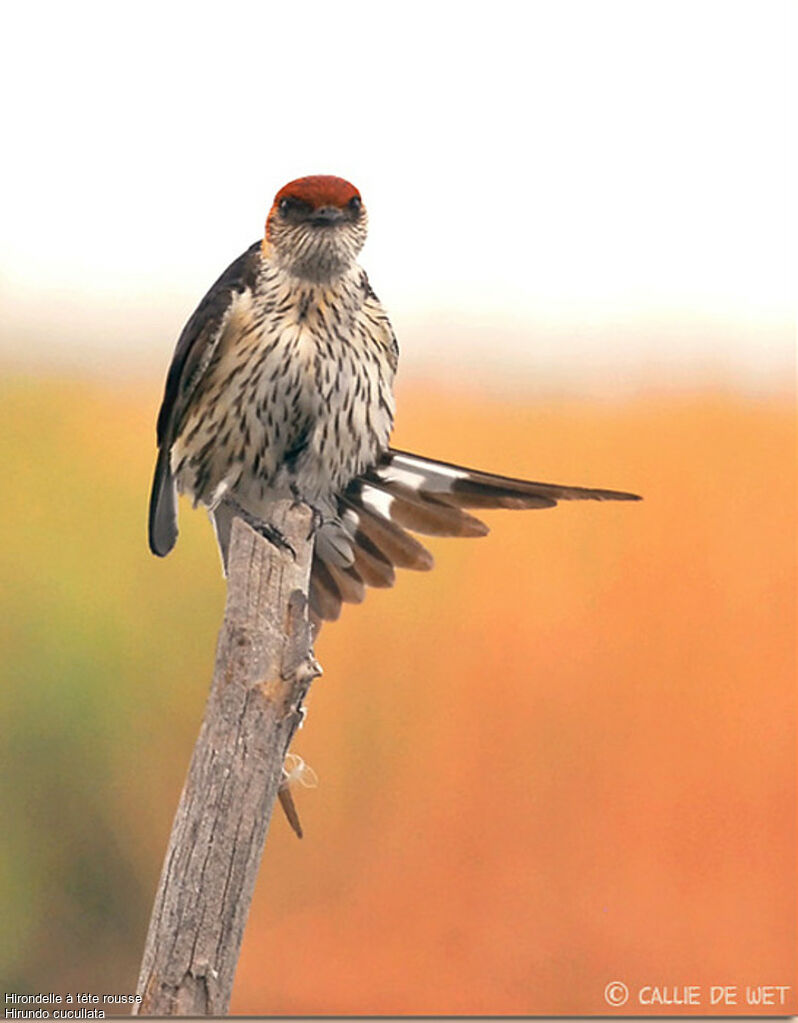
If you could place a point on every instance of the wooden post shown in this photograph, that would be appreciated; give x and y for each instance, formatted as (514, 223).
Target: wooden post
(264, 667)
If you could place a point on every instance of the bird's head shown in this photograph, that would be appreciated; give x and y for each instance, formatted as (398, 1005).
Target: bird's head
(316, 227)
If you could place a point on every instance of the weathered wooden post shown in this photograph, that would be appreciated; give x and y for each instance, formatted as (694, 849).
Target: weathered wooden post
(264, 667)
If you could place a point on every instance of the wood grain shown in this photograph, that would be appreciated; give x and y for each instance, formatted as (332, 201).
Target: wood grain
(264, 667)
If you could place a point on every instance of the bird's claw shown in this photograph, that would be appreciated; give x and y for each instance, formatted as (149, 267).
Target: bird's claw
(267, 531)
(296, 497)
(275, 538)
(317, 520)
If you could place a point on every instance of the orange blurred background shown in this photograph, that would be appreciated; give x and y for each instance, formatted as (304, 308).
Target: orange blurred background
(565, 757)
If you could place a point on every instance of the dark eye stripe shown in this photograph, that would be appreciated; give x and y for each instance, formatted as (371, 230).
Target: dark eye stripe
(290, 204)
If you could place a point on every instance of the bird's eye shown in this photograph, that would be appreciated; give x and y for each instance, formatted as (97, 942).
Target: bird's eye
(284, 207)
(355, 204)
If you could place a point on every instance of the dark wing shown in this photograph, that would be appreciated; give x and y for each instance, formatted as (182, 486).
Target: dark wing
(407, 492)
(193, 353)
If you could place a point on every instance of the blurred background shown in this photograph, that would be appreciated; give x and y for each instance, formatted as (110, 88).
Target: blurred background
(565, 757)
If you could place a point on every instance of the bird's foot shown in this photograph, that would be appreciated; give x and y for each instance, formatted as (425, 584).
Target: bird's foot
(298, 499)
(275, 538)
(267, 531)
(317, 520)
(317, 516)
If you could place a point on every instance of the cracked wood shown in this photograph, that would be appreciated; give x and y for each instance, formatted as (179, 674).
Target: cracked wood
(264, 667)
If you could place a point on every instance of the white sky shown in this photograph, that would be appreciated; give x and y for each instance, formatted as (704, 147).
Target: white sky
(544, 178)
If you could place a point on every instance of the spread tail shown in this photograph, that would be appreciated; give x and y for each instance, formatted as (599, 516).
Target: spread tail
(407, 492)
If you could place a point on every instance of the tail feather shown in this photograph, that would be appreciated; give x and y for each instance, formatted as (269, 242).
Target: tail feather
(470, 488)
(324, 596)
(420, 512)
(163, 507)
(405, 491)
(395, 545)
(371, 565)
(350, 585)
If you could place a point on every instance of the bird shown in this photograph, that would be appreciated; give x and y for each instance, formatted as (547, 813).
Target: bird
(281, 386)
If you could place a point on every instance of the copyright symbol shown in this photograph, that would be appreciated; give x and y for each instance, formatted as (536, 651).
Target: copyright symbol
(616, 993)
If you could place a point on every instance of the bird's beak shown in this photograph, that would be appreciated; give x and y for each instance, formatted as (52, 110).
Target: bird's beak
(326, 215)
